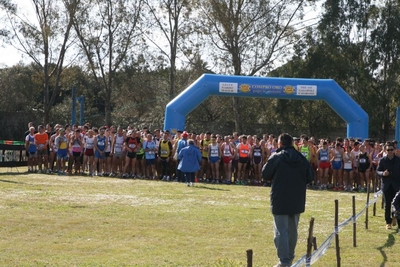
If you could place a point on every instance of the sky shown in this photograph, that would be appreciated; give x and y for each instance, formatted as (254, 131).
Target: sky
(10, 56)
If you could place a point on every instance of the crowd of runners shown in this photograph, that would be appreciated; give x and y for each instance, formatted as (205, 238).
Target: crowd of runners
(341, 164)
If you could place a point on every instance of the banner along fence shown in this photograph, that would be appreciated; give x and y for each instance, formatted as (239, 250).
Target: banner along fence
(12, 153)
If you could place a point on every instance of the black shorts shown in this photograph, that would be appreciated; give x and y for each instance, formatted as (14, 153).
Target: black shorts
(76, 156)
(131, 155)
(362, 170)
(243, 160)
(107, 154)
(139, 156)
(204, 158)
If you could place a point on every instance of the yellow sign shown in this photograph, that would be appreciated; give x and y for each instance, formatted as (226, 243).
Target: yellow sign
(244, 88)
(288, 89)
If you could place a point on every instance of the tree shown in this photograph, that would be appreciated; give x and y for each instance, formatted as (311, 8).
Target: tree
(45, 40)
(20, 89)
(108, 31)
(249, 36)
(362, 40)
(172, 24)
(384, 66)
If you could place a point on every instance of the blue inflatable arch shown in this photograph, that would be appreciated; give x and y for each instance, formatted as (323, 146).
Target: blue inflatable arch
(266, 87)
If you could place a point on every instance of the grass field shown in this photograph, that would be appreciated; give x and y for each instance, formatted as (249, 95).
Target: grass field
(50, 220)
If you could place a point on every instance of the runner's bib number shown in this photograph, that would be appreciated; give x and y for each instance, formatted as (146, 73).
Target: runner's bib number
(214, 153)
(347, 165)
(118, 148)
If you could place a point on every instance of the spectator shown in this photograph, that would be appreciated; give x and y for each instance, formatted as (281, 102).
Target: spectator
(189, 162)
(290, 173)
(389, 170)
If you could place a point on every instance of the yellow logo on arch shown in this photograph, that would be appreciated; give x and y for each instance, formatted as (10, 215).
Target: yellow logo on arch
(288, 89)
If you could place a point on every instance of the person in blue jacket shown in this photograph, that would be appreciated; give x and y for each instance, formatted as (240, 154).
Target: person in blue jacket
(189, 162)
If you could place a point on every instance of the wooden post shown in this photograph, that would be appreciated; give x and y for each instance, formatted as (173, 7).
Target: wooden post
(354, 223)
(374, 184)
(310, 241)
(337, 233)
(366, 210)
(249, 257)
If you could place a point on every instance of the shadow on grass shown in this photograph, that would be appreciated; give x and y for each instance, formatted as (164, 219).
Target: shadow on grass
(8, 181)
(389, 243)
(210, 188)
(13, 173)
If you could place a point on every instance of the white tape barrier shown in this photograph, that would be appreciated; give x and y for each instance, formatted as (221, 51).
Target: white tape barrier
(317, 254)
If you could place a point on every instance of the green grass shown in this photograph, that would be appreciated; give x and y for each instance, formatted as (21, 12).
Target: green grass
(50, 220)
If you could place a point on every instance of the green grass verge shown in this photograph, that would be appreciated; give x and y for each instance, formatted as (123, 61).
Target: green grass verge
(50, 220)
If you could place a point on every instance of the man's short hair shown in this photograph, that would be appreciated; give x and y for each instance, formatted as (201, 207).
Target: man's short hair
(389, 143)
(286, 139)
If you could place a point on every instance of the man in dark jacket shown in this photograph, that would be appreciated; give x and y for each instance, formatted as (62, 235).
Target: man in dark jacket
(290, 173)
(389, 170)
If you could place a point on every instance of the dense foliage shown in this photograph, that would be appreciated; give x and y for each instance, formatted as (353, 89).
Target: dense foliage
(130, 58)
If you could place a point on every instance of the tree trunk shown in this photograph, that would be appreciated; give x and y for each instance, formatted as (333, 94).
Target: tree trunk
(235, 104)
(172, 75)
(108, 113)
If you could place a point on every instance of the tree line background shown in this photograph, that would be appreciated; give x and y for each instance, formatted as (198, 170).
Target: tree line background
(129, 58)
